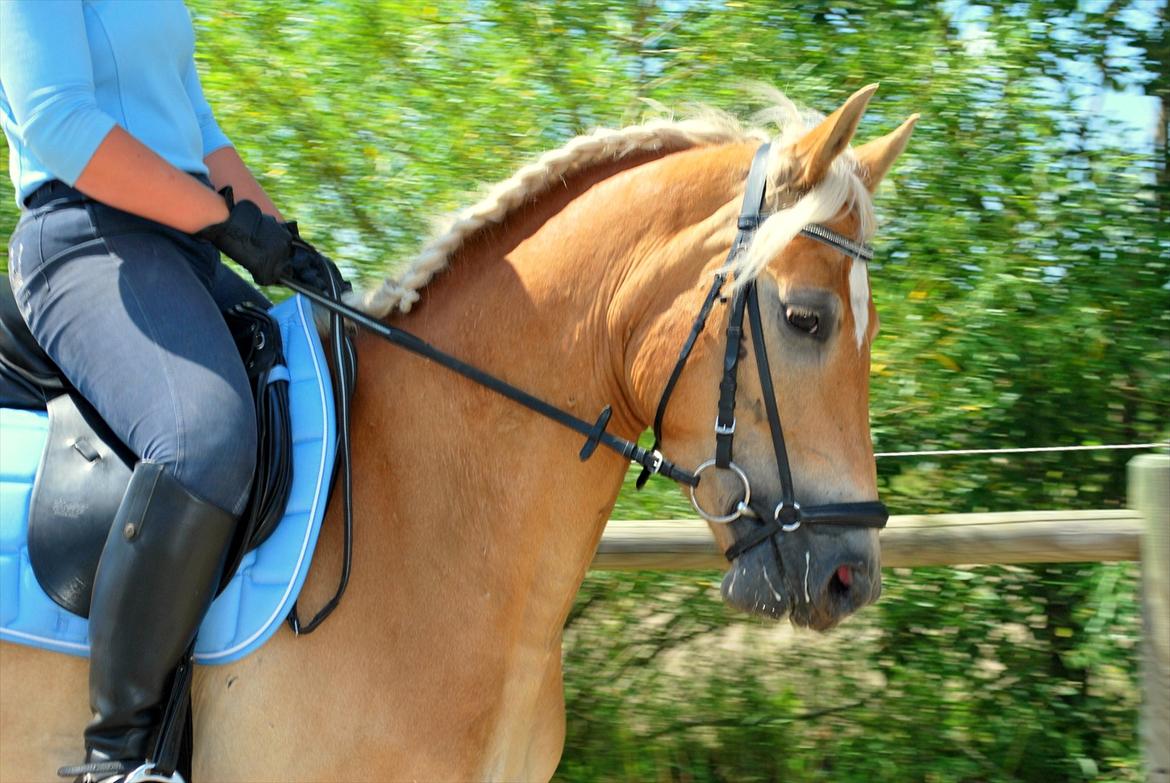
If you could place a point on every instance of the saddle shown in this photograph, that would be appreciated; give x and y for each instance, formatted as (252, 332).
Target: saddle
(84, 468)
(64, 474)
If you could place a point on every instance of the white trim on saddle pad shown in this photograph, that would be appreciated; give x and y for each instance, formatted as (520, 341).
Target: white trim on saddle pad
(260, 595)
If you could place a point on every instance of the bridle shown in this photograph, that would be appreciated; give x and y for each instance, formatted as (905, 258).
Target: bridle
(788, 515)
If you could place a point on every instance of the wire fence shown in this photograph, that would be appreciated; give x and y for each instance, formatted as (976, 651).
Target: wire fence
(1027, 450)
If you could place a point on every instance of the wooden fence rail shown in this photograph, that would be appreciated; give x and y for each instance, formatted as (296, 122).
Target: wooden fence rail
(908, 541)
(1141, 532)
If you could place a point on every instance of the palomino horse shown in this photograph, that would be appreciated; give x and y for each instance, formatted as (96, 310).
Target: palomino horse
(577, 280)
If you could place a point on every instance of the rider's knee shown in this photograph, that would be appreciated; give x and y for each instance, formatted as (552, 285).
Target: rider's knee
(213, 451)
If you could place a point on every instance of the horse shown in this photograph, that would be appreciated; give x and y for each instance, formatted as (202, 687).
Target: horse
(576, 280)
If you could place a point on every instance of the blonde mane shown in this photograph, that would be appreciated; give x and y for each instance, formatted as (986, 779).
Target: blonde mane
(839, 190)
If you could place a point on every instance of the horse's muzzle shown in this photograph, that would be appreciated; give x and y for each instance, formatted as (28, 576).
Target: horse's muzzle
(817, 578)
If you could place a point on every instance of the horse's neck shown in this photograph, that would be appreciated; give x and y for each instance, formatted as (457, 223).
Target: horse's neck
(476, 520)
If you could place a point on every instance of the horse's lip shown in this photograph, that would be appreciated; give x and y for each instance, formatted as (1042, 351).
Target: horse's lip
(813, 619)
(769, 611)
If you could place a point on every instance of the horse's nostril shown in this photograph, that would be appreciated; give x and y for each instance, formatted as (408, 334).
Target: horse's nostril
(849, 587)
(841, 582)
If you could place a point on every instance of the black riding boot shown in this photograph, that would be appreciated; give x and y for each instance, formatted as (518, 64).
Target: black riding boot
(156, 578)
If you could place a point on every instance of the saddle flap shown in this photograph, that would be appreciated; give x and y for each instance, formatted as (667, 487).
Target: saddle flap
(83, 474)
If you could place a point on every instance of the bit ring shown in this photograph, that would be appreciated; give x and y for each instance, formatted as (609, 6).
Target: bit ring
(740, 507)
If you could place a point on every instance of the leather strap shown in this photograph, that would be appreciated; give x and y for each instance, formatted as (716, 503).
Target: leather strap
(750, 217)
(345, 364)
(747, 223)
(696, 329)
(751, 213)
(725, 419)
(873, 514)
(826, 236)
(173, 746)
(787, 493)
(788, 513)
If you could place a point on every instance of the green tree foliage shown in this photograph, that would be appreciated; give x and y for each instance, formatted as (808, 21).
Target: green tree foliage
(1022, 281)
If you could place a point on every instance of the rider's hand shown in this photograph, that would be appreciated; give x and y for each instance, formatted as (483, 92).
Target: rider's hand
(258, 242)
(310, 266)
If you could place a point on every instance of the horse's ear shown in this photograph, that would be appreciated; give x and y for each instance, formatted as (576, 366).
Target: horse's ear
(815, 152)
(875, 157)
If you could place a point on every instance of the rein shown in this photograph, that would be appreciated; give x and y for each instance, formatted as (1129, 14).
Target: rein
(787, 515)
(595, 433)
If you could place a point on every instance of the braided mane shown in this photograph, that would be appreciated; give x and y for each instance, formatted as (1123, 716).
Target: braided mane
(841, 188)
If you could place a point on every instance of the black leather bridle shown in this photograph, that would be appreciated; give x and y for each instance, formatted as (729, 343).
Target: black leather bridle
(787, 515)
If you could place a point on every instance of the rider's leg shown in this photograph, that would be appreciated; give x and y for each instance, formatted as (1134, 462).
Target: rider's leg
(157, 575)
(124, 307)
(229, 289)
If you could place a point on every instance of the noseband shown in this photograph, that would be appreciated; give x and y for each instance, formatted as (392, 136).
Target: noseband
(788, 515)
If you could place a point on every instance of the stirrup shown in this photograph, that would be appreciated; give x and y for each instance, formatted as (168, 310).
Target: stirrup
(118, 772)
(146, 774)
(97, 771)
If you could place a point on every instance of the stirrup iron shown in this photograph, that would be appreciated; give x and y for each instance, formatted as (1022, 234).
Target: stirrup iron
(146, 774)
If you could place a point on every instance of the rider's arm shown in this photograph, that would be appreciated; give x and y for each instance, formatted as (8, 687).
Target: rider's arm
(127, 175)
(227, 168)
(224, 165)
(48, 83)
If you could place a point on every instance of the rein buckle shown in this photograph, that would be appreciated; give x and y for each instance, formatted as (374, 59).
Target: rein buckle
(725, 429)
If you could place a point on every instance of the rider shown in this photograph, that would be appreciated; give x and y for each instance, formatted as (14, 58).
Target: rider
(116, 158)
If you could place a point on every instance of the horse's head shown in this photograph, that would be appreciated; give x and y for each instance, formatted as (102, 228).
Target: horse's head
(818, 321)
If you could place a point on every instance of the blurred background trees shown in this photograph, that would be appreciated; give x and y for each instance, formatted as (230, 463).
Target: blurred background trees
(1022, 280)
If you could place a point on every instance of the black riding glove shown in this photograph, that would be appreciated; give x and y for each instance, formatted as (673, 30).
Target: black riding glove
(311, 267)
(258, 242)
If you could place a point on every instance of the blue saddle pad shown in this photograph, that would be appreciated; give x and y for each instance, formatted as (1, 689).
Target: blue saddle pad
(259, 597)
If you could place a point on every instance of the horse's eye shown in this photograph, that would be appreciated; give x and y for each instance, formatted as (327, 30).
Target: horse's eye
(802, 319)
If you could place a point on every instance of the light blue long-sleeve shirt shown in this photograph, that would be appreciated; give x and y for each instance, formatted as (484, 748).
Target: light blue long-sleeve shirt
(72, 69)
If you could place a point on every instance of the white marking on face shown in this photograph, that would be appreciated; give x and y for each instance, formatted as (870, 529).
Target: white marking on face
(807, 558)
(859, 299)
(772, 587)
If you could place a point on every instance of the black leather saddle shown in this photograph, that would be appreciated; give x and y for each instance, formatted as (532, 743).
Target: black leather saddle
(83, 472)
(85, 468)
